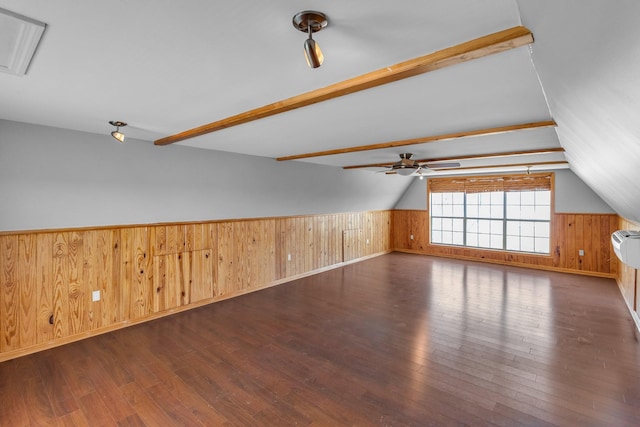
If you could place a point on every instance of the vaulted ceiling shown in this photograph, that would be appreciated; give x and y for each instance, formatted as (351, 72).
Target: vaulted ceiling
(168, 67)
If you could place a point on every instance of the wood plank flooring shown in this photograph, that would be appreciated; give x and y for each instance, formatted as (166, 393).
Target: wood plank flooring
(397, 340)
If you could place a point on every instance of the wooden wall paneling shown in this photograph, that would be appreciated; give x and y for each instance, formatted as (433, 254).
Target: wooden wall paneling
(306, 244)
(239, 255)
(351, 241)
(27, 271)
(225, 257)
(203, 236)
(189, 239)
(44, 296)
(144, 270)
(332, 240)
(559, 225)
(293, 238)
(280, 249)
(160, 291)
(9, 294)
(159, 240)
(97, 267)
(319, 240)
(112, 288)
(184, 277)
(127, 273)
(378, 234)
(287, 227)
(266, 248)
(141, 286)
(570, 242)
(609, 258)
(387, 231)
(77, 304)
(202, 275)
(579, 230)
(591, 234)
(60, 286)
(297, 244)
(175, 276)
(322, 238)
(169, 239)
(211, 244)
(257, 254)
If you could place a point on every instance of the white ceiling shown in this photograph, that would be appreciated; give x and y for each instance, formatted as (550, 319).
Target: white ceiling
(166, 67)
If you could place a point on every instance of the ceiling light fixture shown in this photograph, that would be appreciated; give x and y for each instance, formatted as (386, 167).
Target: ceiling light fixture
(309, 22)
(116, 133)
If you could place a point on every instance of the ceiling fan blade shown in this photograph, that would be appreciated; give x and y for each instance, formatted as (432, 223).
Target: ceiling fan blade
(441, 165)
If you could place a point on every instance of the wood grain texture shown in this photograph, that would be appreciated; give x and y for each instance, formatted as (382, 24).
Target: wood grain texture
(422, 140)
(28, 279)
(399, 340)
(467, 157)
(50, 276)
(628, 278)
(571, 232)
(9, 294)
(487, 45)
(44, 293)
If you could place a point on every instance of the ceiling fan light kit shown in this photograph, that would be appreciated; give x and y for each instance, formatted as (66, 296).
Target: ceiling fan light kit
(310, 22)
(406, 166)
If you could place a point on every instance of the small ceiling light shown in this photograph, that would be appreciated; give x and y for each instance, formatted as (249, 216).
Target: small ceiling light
(310, 22)
(116, 133)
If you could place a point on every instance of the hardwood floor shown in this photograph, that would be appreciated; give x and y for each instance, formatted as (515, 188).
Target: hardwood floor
(395, 340)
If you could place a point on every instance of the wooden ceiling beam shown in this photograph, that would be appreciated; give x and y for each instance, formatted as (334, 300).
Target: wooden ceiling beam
(473, 49)
(556, 162)
(468, 157)
(424, 140)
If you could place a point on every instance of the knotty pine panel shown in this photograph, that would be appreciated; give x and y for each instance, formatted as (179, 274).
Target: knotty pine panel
(246, 254)
(27, 272)
(407, 223)
(44, 291)
(570, 233)
(628, 277)
(142, 272)
(202, 275)
(351, 244)
(97, 274)
(9, 294)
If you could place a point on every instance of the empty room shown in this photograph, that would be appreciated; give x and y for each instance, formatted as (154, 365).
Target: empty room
(319, 213)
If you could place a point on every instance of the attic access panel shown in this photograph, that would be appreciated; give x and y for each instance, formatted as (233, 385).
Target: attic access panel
(19, 38)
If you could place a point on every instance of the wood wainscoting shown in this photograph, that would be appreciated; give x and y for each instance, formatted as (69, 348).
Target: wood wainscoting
(628, 279)
(571, 232)
(48, 278)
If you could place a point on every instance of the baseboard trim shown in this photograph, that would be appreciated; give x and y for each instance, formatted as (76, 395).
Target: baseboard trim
(514, 264)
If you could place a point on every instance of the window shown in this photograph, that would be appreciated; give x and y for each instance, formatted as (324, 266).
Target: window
(506, 213)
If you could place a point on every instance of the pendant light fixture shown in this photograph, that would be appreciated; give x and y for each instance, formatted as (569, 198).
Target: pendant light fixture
(116, 133)
(309, 22)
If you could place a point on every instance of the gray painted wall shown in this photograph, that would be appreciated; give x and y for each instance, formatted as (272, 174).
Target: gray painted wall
(58, 178)
(572, 195)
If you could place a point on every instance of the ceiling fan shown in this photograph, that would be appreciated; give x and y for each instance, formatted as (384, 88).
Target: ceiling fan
(406, 166)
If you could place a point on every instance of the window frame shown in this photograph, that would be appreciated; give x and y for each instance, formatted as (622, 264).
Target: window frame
(529, 182)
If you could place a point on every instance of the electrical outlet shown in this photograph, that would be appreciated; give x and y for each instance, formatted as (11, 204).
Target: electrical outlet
(367, 241)
(411, 237)
(288, 257)
(95, 296)
(581, 252)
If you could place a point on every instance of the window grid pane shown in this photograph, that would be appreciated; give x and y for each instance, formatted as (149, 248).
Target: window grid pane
(513, 221)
